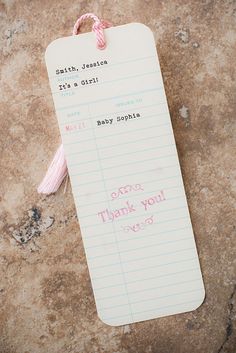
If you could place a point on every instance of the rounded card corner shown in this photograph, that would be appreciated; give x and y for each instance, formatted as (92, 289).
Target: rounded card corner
(143, 26)
(51, 46)
(201, 300)
(107, 322)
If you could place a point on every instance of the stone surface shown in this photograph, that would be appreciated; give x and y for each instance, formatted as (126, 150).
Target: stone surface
(45, 292)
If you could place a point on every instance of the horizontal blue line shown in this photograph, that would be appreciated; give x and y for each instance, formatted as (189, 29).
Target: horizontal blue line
(134, 197)
(125, 164)
(156, 234)
(142, 258)
(109, 146)
(72, 89)
(118, 144)
(147, 300)
(146, 279)
(105, 66)
(145, 214)
(146, 289)
(121, 252)
(121, 133)
(115, 112)
(120, 155)
(110, 98)
(127, 195)
(144, 268)
(143, 182)
(168, 221)
(102, 137)
(157, 308)
(121, 176)
(120, 123)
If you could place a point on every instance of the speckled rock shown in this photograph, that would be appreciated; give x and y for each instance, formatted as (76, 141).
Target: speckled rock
(46, 300)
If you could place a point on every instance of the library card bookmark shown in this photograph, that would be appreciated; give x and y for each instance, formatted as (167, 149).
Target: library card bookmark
(125, 175)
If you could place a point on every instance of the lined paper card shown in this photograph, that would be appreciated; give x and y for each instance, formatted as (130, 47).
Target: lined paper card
(125, 175)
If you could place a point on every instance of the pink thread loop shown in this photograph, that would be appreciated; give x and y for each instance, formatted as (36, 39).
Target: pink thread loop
(57, 170)
(98, 27)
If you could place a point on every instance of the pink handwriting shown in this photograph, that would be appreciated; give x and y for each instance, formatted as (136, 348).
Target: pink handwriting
(74, 127)
(139, 226)
(153, 200)
(107, 215)
(125, 189)
(111, 215)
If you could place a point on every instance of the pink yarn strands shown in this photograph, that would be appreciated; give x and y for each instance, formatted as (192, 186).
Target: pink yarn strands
(56, 173)
(57, 170)
(98, 27)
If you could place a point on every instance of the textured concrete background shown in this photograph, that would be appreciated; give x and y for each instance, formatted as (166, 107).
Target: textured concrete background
(46, 299)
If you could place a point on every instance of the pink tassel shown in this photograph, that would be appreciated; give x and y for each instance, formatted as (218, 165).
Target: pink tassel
(58, 168)
(55, 175)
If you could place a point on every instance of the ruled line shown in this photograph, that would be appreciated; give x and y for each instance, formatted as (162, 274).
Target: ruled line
(157, 308)
(125, 164)
(119, 133)
(110, 98)
(97, 68)
(90, 150)
(146, 213)
(119, 155)
(146, 268)
(156, 234)
(143, 258)
(124, 175)
(119, 123)
(148, 289)
(180, 186)
(118, 144)
(79, 87)
(156, 212)
(143, 182)
(154, 298)
(167, 221)
(114, 230)
(117, 112)
(148, 278)
(138, 248)
(179, 243)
